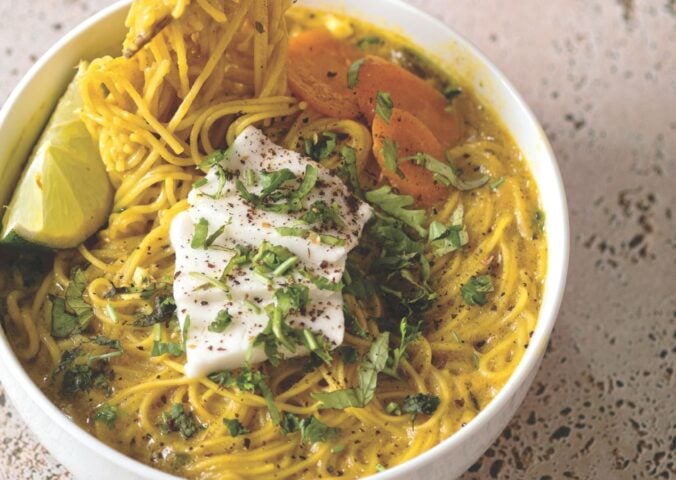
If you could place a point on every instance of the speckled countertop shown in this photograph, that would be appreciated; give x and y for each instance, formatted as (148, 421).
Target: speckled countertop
(601, 77)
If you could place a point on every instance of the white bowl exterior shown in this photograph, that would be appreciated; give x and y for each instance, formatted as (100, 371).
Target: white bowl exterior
(26, 110)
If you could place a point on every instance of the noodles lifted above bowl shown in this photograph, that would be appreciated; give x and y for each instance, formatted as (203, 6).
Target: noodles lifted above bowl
(324, 255)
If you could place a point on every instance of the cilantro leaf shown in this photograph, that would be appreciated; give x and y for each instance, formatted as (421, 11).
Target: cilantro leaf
(271, 181)
(367, 41)
(539, 221)
(292, 231)
(374, 363)
(353, 73)
(475, 290)
(163, 310)
(389, 153)
(320, 147)
(424, 403)
(78, 378)
(409, 334)
(63, 324)
(384, 105)
(308, 183)
(395, 205)
(75, 300)
(313, 431)
(289, 423)
(323, 214)
(348, 169)
(199, 239)
(174, 349)
(107, 414)
(497, 183)
(211, 160)
(178, 420)
(445, 239)
(222, 321)
(324, 283)
(445, 172)
(235, 428)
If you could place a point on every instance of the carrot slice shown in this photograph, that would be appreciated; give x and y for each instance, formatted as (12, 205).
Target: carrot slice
(411, 136)
(317, 69)
(410, 93)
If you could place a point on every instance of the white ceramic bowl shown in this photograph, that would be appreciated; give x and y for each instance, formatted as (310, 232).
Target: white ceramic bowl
(26, 110)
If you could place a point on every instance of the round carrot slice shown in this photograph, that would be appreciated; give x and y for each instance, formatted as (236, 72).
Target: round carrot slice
(410, 136)
(317, 70)
(408, 92)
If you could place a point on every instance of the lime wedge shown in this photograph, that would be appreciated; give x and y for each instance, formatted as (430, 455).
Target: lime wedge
(64, 194)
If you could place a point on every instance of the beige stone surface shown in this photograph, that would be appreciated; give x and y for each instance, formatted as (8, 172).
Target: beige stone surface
(601, 76)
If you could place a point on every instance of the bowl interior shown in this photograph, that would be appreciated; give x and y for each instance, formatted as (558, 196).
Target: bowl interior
(27, 109)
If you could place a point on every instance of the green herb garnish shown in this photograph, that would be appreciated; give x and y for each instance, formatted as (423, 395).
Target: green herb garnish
(475, 290)
(374, 363)
(424, 403)
(320, 146)
(353, 73)
(235, 428)
(222, 321)
(178, 420)
(384, 105)
(199, 239)
(107, 414)
(395, 205)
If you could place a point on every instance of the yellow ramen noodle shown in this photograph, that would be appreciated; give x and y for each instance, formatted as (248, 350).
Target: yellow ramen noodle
(216, 69)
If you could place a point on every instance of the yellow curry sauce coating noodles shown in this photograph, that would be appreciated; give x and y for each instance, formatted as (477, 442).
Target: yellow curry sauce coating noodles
(156, 115)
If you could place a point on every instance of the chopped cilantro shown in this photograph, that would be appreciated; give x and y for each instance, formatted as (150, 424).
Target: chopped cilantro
(199, 239)
(364, 42)
(348, 169)
(209, 282)
(272, 181)
(332, 240)
(178, 420)
(353, 73)
(161, 348)
(389, 153)
(292, 231)
(384, 105)
(235, 428)
(107, 414)
(63, 324)
(313, 431)
(496, 184)
(163, 310)
(475, 290)
(539, 220)
(211, 160)
(222, 321)
(323, 214)
(212, 238)
(349, 355)
(424, 403)
(395, 205)
(374, 363)
(324, 283)
(320, 146)
(445, 239)
(200, 182)
(445, 173)
(78, 378)
(409, 334)
(450, 92)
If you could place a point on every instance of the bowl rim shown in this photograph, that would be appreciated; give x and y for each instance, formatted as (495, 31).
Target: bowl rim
(546, 316)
